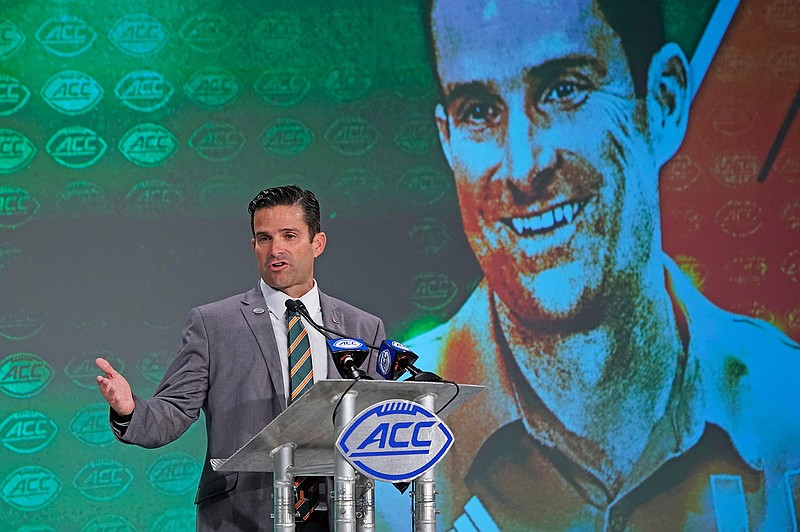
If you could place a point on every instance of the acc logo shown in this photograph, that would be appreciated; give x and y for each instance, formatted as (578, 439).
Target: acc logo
(16, 151)
(220, 195)
(282, 87)
(13, 95)
(212, 87)
(790, 213)
(423, 185)
(413, 82)
(154, 363)
(432, 291)
(351, 136)
(152, 198)
(347, 343)
(174, 473)
(175, 520)
(76, 147)
(347, 83)
(109, 523)
(430, 236)
(11, 38)
(358, 185)
(17, 207)
(735, 169)
(27, 431)
(138, 34)
(688, 220)
(417, 135)
(207, 32)
(680, 173)
(66, 35)
(81, 197)
(739, 218)
(746, 270)
(72, 92)
(395, 441)
(144, 90)
(21, 324)
(216, 141)
(103, 480)
(734, 118)
(791, 266)
(784, 62)
(280, 30)
(30, 488)
(286, 138)
(148, 144)
(82, 370)
(9, 254)
(733, 65)
(693, 268)
(90, 425)
(24, 375)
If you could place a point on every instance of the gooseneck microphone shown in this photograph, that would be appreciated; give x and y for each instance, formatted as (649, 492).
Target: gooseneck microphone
(394, 359)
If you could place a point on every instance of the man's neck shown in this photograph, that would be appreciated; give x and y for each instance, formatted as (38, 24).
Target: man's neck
(598, 393)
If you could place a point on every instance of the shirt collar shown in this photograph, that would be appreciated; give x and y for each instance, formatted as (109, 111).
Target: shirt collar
(276, 300)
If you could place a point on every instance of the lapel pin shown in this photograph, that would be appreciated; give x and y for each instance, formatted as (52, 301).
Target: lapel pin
(258, 310)
(334, 319)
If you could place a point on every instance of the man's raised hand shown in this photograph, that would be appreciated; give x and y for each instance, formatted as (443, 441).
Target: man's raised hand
(115, 389)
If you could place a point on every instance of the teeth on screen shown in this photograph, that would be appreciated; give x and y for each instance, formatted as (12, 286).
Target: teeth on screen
(560, 215)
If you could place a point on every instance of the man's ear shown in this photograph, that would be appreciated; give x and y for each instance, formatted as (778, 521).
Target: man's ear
(444, 133)
(668, 100)
(318, 243)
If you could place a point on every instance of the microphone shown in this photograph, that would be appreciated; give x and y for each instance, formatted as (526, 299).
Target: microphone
(348, 354)
(394, 359)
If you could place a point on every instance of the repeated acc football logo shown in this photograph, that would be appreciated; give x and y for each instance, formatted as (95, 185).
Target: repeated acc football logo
(144, 90)
(735, 169)
(154, 363)
(395, 441)
(103, 480)
(212, 87)
(286, 137)
(11, 38)
(82, 370)
(13, 95)
(359, 185)
(66, 35)
(680, 173)
(207, 32)
(81, 197)
(174, 473)
(790, 266)
(790, 214)
(282, 88)
(278, 30)
(216, 141)
(109, 523)
(746, 270)
(347, 82)
(220, 194)
(416, 135)
(175, 520)
(27, 431)
(148, 144)
(21, 324)
(138, 34)
(423, 185)
(351, 135)
(90, 425)
(153, 197)
(76, 147)
(17, 207)
(30, 488)
(24, 375)
(693, 268)
(429, 236)
(432, 291)
(16, 151)
(740, 218)
(72, 92)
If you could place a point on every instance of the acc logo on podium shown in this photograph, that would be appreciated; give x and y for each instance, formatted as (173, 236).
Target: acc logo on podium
(395, 441)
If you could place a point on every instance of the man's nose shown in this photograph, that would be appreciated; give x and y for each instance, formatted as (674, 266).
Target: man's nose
(530, 153)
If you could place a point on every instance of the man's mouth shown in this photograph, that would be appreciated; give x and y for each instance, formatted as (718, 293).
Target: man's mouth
(558, 216)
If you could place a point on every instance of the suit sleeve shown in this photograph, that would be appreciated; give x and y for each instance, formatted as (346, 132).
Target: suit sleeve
(179, 397)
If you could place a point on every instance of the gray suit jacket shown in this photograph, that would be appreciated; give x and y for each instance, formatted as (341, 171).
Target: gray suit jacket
(228, 366)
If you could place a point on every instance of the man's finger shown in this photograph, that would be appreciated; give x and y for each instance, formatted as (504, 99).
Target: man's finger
(105, 365)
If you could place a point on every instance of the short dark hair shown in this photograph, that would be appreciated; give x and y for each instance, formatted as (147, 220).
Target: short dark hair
(639, 24)
(288, 195)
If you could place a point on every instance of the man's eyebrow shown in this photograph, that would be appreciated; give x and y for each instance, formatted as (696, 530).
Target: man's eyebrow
(546, 70)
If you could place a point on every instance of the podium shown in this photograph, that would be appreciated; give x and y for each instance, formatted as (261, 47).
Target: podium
(301, 441)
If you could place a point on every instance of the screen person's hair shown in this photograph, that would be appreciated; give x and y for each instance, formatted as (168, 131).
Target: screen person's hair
(639, 24)
(288, 195)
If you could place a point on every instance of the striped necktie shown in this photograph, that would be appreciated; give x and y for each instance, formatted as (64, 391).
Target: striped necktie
(301, 378)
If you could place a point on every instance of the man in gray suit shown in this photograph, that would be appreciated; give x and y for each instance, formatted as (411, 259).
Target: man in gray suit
(233, 364)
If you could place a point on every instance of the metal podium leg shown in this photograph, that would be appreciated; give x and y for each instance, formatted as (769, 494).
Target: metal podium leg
(282, 492)
(344, 477)
(365, 504)
(423, 489)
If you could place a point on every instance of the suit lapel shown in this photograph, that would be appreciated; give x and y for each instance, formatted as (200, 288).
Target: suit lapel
(332, 318)
(254, 310)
